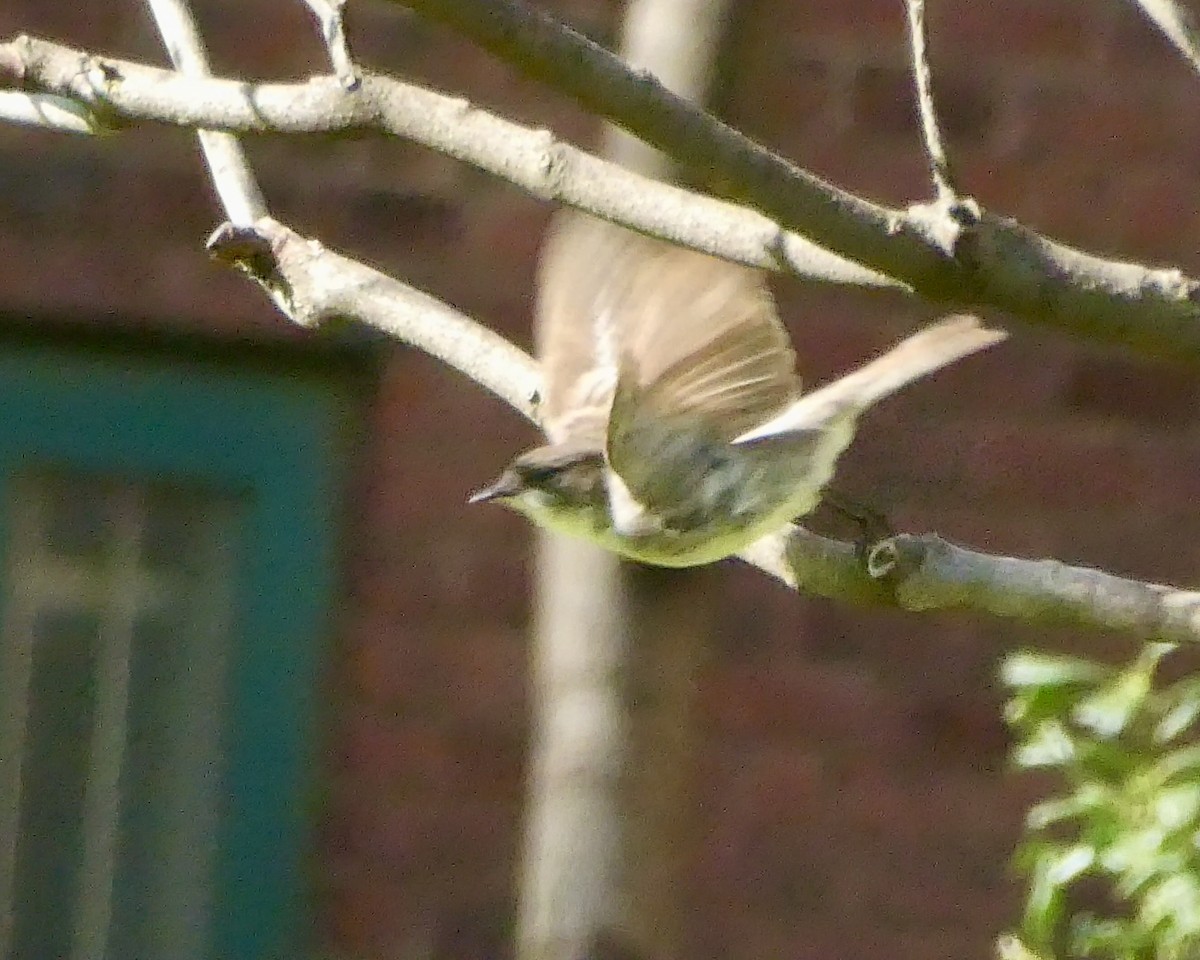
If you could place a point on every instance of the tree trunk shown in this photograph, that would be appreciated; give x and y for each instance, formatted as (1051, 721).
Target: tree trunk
(617, 651)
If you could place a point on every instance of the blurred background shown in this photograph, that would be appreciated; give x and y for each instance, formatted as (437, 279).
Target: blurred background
(265, 676)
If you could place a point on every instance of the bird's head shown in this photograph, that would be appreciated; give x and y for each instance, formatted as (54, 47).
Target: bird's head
(551, 485)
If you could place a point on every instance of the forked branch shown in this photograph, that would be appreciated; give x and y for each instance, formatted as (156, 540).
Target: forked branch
(311, 283)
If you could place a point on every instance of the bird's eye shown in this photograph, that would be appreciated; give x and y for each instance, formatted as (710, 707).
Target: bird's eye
(538, 473)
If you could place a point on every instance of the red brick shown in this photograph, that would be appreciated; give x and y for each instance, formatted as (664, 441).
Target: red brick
(1136, 390)
(382, 753)
(856, 19)
(478, 841)
(288, 42)
(884, 105)
(491, 764)
(1155, 209)
(754, 617)
(768, 52)
(404, 836)
(1102, 125)
(374, 916)
(825, 701)
(103, 28)
(930, 808)
(894, 174)
(771, 781)
(386, 668)
(1133, 44)
(781, 866)
(1021, 32)
(1060, 466)
(487, 675)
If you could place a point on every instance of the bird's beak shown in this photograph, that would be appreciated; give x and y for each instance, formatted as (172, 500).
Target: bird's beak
(506, 486)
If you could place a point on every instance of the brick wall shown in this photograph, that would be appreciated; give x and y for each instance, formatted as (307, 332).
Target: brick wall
(855, 797)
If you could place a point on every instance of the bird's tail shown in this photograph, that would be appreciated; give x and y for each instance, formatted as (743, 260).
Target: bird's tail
(917, 356)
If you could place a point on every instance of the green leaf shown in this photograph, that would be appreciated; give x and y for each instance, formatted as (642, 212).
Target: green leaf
(1033, 669)
(1050, 745)
(1088, 799)
(1069, 864)
(1055, 867)
(1109, 712)
(1176, 807)
(1174, 904)
(1130, 815)
(1032, 705)
(1180, 716)
(1137, 857)
(1182, 764)
(1010, 947)
(1093, 936)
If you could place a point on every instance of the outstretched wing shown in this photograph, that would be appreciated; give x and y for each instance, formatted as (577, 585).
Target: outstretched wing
(704, 341)
(578, 279)
(685, 335)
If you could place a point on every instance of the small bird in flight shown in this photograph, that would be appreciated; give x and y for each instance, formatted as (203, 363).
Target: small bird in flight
(678, 433)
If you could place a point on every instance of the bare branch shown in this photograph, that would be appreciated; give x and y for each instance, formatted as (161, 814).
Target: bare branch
(1176, 23)
(925, 573)
(333, 33)
(677, 40)
(992, 261)
(311, 284)
(531, 159)
(49, 111)
(314, 284)
(956, 254)
(545, 49)
(227, 165)
(807, 561)
(988, 260)
(935, 148)
(928, 573)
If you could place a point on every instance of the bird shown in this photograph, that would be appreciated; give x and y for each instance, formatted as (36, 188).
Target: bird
(678, 433)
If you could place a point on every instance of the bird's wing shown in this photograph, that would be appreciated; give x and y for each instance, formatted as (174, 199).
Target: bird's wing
(578, 277)
(685, 335)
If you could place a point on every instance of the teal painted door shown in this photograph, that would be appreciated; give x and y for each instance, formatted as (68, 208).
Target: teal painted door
(168, 534)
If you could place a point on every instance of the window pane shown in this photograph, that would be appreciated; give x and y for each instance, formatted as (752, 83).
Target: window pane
(62, 692)
(116, 626)
(73, 517)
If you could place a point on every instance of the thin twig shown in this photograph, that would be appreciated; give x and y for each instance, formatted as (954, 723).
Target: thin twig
(1177, 25)
(931, 132)
(333, 34)
(228, 167)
